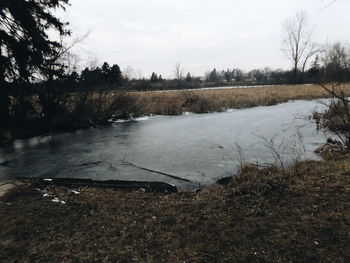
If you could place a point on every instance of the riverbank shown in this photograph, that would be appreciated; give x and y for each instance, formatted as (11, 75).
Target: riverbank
(298, 215)
(146, 103)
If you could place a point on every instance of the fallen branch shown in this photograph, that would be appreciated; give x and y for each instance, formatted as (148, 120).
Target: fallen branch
(158, 172)
(89, 164)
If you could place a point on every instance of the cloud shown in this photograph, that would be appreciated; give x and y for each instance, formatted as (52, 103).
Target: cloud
(153, 35)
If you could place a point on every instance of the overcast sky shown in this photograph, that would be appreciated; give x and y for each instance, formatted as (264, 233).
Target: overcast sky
(154, 35)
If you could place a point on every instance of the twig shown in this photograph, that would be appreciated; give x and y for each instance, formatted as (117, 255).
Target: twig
(89, 164)
(328, 5)
(158, 172)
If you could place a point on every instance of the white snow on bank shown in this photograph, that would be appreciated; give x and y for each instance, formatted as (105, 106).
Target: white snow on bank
(56, 200)
(143, 118)
(121, 121)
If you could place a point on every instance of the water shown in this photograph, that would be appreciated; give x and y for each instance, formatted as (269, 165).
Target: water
(198, 147)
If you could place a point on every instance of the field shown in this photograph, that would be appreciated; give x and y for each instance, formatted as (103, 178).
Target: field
(298, 215)
(203, 101)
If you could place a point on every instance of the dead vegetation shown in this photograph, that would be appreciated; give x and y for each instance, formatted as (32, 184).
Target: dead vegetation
(335, 116)
(300, 215)
(203, 101)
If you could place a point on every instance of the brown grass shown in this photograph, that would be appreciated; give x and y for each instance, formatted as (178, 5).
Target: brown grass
(203, 101)
(301, 215)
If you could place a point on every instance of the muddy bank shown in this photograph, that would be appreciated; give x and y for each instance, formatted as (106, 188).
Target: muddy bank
(267, 215)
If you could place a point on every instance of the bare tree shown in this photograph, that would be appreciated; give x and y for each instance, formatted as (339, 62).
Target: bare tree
(129, 73)
(139, 74)
(297, 42)
(179, 71)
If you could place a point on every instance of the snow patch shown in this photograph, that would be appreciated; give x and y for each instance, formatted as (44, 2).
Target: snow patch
(143, 118)
(121, 121)
(56, 200)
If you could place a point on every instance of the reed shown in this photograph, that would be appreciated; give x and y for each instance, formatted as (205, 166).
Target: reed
(204, 101)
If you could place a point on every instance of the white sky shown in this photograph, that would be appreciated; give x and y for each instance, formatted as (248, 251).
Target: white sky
(154, 35)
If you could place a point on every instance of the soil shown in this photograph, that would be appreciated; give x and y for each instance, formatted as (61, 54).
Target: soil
(301, 214)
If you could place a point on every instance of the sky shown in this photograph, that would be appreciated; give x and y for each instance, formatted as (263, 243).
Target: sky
(154, 35)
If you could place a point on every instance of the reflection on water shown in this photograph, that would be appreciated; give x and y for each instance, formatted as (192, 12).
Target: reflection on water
(197, 147)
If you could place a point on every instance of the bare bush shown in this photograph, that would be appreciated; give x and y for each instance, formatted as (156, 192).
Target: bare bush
(335, 117)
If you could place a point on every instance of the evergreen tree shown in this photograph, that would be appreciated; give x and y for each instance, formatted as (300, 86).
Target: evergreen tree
(154, 77)
(213, 76)
(188, 77)
(25, 48)
(106, 72)
(115, 75)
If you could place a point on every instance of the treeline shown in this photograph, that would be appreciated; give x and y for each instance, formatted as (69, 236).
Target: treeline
(331, 64)
(39, 89)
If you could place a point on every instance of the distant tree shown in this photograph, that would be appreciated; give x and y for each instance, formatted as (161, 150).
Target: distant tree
(188, 77)
(336, 61)
(228, 75)
(129, 73)
(105, 71)
(237, 75)
(257, 75)
(179, 72)
(213, 76)
(154, 77)
(314, 73)
(115, 76)
(72, 80)
(102, 76)
(297, 43)
(85, 75)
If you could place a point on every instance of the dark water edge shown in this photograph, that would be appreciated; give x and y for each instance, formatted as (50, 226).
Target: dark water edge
(7, 136)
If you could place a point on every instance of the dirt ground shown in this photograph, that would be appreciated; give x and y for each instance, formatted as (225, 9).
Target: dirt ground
(298, 215)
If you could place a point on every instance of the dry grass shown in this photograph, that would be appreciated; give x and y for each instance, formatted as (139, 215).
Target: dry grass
(202, 101)
(301, 215)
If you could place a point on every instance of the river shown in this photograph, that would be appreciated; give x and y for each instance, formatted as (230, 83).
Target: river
(199, 147)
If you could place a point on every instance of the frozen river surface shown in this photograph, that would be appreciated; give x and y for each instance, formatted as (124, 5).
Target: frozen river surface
(198, 147)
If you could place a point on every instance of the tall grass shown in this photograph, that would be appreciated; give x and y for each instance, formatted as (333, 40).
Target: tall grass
(203, 101)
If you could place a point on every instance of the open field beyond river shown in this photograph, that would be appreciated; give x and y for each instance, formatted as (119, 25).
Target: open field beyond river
(203, 101)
